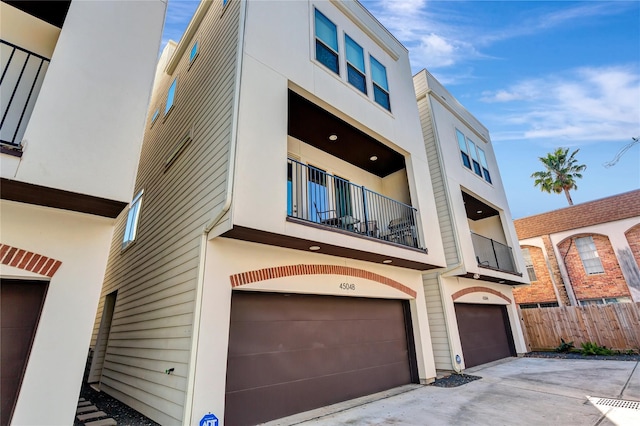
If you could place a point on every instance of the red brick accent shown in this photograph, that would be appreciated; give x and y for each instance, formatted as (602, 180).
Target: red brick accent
(633, 239)
(478, 289)
(617, 207)
(28, 261)
(541, 290)
(292, 270)
(611, 283)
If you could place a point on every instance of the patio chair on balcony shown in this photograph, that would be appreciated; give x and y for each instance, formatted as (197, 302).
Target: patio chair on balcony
(402, 231)
(328, 217)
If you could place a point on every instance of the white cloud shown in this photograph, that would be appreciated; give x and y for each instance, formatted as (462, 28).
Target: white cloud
(587, 104)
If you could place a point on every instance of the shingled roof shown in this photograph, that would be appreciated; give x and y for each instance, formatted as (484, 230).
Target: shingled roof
(616, 207)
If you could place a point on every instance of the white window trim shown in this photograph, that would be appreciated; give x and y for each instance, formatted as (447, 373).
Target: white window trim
(480, 176)
(133, 217)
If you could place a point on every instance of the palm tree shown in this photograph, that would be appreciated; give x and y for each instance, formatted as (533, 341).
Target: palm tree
(560, 174)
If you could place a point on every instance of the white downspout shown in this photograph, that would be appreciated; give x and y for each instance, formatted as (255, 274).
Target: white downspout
(193, 359)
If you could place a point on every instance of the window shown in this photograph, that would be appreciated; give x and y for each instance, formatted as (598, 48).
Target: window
(473, 157)
(194, 52)
(527, 261)
(355, 64)
(170, 96)
(539, 305)
(132, 220)
(589, 255)
(485, 167)
(380, 86)
(326, 42)
(155, 115)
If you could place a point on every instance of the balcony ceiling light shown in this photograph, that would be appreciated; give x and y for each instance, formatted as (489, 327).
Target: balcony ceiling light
(387, 261)
(373, 158)
(479, 211)
(333, 137)
(314, 248)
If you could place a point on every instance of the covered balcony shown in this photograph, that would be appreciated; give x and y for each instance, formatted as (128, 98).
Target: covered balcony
(487, 236)
(321, 199)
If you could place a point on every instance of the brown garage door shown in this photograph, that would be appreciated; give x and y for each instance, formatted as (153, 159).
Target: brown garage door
(20, 306)
(292, 353)
(485, 333)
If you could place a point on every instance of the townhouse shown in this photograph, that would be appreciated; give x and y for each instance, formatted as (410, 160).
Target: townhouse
(271, 260)
(470, 304)
(75, 83)
(586, 254)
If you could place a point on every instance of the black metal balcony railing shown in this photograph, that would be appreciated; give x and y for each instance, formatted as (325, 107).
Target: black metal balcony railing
(316, 196)
(492, 254)
(22, 76)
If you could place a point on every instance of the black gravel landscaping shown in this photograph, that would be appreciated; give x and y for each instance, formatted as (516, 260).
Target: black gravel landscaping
(578, 355)
(454, 380)
(121, 413)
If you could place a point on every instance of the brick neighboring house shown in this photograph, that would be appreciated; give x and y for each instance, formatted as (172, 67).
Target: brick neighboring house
(583, 254)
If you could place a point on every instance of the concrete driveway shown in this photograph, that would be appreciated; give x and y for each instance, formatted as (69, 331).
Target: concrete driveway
(517, 391)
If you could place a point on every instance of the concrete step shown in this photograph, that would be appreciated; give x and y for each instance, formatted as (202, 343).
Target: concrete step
(88, 416)
(103, 422)
(86, 409)
(84, 403)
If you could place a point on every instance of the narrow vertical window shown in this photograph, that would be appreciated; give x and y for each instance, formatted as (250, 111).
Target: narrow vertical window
(380, 85)
(355, 64)
(529, 264)
(170, 96)
(132, 220)
(589, 255)
(462, 143)
(485, 166)
(155, 115)
(474, 157)
(326, 42)
(194, 52)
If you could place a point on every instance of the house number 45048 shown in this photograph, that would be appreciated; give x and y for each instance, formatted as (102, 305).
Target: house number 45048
(347, 286)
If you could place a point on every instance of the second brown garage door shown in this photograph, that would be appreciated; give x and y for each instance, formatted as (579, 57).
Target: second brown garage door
(293, 353)
(485, 334)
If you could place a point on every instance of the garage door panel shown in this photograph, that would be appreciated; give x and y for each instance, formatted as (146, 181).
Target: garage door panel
(293, 353)
(277, 368)
(258, 337)
(250, 308)
(484, 335)
(257, 405)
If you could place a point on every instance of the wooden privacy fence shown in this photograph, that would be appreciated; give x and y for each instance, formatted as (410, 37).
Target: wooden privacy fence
(616, 326)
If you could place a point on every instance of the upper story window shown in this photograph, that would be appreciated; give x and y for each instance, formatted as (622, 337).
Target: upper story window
(155, 115)
(194, 52)
(132, 220)
(355, 64)
(529, 264)
(473, 157)
(326, 42)
(170, 96)
(589, 255)
(380, 85)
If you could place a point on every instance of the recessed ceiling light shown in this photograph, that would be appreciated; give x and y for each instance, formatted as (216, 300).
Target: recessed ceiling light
(333, 137)
(373, 158)
(314, 248)
(501, 282)
(479, 211)
(387, 261)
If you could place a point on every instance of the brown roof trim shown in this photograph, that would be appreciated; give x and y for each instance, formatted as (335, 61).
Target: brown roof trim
(609, 209)
(23, 192)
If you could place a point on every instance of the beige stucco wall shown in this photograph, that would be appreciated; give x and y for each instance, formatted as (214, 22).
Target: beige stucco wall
(227, 257)
(86, 128)
(273, 62)
(81, 242)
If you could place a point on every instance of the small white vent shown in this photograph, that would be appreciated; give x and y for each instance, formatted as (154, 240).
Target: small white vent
(618, 403)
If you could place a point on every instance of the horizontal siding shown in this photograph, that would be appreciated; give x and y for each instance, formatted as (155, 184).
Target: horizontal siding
(156, 277)
(437, 323)
(437, 180)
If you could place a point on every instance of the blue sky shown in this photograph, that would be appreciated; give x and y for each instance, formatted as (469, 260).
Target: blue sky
(538, 74)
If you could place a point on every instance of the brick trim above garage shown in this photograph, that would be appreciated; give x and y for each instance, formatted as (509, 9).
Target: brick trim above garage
(293, 270)
(478, 289)
(28, 261)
